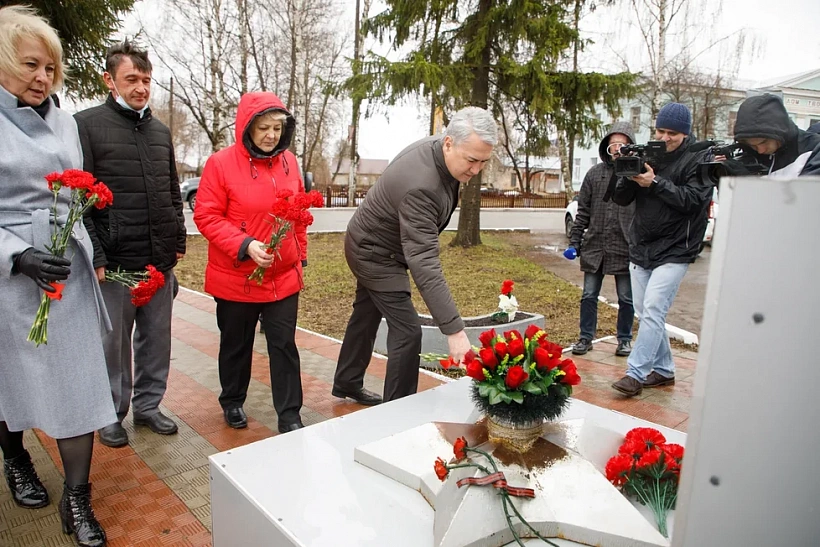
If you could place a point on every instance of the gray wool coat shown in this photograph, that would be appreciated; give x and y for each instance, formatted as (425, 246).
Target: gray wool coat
(61, 387)
(601, 230)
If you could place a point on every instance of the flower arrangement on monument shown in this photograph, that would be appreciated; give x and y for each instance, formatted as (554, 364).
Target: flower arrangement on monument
(520, 381)
(507, 304)
(85, 192)
(289, 209)
(467, 457)
(648, 469)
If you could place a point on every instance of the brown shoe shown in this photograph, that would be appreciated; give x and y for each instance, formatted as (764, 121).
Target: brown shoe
(628, 385)
(656, 380)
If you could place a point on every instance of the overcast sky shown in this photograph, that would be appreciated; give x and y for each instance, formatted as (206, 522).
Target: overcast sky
(788, 32)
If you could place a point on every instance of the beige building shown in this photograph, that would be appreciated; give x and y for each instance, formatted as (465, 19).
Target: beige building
(367, 172)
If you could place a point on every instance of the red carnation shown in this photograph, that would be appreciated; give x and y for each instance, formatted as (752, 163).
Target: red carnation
(516, 347)
(649, 458)
(102, 195)
(674, 450)
(145, 290)
(651, 437)
(441, 469)
(507, 287)
(486, 338)
(58, 291)
(532, 331)
(77, 179)
(515, 377)
(447, 363)
(458, 448)
(632, 448)
(488, 357)
(475, 371)
(618, 468)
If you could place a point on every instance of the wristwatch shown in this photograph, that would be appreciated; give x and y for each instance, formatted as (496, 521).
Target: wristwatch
(655, 181)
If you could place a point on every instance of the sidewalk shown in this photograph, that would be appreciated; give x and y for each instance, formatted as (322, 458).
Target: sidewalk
(156, 491)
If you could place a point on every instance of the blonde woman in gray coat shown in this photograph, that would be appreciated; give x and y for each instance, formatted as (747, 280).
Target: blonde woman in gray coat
(61, 388)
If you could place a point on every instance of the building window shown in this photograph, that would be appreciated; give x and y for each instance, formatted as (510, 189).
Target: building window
(576, 171)
(636, 118)
(593, 162)
(732, 121)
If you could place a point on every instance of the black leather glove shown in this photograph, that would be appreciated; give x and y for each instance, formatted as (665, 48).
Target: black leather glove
(42, 267)
(304, 263)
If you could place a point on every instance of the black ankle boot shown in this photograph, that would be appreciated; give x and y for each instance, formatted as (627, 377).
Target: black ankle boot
(25, 485)
(78, 516)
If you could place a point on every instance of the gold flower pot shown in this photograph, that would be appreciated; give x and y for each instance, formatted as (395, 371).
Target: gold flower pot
(518, 437)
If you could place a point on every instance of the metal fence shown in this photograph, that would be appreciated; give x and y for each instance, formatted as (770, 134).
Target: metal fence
(336, 196)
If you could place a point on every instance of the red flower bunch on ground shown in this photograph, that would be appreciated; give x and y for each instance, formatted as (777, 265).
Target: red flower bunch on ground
(85, 192)
(648, 468)
(288, 210)
(464, 459)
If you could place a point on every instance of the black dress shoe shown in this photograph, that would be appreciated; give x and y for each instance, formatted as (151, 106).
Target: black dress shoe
(158, 423)
(284, 428)
(362, 396)
(624, 348)
(235, 418)
(26, 488)
(114, 435)
(581, 346)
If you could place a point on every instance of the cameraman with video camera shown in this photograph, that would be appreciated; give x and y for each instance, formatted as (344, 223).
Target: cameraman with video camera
(764, 126)
(671, 213)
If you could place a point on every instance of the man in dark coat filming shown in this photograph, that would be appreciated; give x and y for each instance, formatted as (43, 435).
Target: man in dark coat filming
(671, 213)
(599, 237)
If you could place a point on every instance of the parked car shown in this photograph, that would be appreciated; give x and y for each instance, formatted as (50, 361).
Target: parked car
(569, 216)
(572, 211)
(188, 190)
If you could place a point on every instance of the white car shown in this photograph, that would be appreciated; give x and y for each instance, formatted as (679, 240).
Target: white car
(572, 210)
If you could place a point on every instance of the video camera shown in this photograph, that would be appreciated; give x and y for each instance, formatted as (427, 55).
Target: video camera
(633, 156)
(739, 162)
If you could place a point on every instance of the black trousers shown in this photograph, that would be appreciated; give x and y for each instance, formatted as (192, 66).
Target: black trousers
(237, 327)
(403, 342)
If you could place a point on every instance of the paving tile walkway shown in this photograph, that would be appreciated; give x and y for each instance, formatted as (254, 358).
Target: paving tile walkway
(156, 491)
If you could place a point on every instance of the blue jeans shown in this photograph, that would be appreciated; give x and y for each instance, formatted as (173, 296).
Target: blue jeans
(653, 292)
(589, 305)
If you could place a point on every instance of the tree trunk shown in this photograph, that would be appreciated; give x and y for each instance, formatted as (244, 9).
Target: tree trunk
(469, 222)
(242, 7)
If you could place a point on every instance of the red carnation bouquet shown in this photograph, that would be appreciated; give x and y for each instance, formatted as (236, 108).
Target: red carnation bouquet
(648, 469)
(86, 192)
(144, 285)
(288, 210)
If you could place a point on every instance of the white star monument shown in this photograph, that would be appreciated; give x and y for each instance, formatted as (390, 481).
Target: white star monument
(573, 500)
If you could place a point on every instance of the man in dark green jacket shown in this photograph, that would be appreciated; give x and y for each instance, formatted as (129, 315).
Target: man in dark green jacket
(396, 230)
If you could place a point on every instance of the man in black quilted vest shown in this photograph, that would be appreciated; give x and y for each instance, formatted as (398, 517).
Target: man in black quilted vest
(131, 152)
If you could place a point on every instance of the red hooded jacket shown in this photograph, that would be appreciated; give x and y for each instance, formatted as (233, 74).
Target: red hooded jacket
(236, 194)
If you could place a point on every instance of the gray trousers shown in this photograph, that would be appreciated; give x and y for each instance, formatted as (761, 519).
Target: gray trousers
(151, 328)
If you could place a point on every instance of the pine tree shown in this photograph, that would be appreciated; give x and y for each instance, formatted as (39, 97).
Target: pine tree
(469, 51)
(85, 28)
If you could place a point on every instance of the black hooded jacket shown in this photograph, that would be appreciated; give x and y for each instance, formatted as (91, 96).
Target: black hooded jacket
(671, 214)
(601, 227)
(765, 117)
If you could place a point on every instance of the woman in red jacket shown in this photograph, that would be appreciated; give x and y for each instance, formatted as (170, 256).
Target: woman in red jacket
(236, 194)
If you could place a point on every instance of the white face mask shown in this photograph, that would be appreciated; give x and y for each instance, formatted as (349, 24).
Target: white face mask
(122, 103)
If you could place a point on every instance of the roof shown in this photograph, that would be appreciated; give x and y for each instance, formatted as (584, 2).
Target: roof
(365, 167)
(792, 80)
